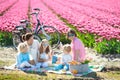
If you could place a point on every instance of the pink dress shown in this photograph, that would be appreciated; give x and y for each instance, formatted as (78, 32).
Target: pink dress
(76, 44)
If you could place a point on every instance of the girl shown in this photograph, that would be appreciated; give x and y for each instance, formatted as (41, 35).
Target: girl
(78, 49)
(23, 57)
(44, 55)
(66, 57)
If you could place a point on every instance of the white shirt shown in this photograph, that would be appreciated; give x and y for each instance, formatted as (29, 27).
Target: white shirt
(66, 58)
(34, 50)
(44, 56)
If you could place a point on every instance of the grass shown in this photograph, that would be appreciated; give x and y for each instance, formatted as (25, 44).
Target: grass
(112, 75)
(20, 75)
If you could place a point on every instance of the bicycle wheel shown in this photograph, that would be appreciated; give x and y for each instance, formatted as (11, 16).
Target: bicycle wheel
(51, 34)
(16, 40)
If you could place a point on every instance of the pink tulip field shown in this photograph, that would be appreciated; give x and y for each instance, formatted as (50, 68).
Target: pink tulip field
(11, 18)
(91, 18)
(95, 16)
(47, 17)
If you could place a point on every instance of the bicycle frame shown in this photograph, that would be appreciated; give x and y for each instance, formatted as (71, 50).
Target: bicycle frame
(38, 24)
(37, 28)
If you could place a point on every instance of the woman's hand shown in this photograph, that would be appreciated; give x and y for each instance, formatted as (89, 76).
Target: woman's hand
(32, 62)
(41, 60)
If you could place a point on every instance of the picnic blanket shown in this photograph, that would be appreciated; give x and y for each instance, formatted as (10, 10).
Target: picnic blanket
(34, 69)
(92, 68)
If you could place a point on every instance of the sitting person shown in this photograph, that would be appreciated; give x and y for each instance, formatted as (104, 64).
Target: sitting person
(23, 57)
(66, 57)
(77, 47)
(44, 55)
(33, 45)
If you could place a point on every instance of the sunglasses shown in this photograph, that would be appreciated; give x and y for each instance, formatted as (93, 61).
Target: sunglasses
(70, 34)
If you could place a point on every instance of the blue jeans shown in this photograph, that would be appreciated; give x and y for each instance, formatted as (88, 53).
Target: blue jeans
(61, 66)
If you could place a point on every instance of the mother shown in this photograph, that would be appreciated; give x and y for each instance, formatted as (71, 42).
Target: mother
(78, 49)
(33, 44)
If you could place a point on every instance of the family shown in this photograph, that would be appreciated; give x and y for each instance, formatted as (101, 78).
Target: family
(32, 54)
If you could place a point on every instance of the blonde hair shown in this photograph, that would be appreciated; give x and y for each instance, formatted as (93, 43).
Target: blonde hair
(44, 40)
(67, 48)
(47, 50)
(21, 47)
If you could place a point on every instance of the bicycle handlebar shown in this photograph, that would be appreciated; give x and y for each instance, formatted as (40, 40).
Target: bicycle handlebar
(34, 13)
(36, 9)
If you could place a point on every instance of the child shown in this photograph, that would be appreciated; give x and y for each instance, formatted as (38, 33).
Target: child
(66, 57)
(44, 56)
(23, 58)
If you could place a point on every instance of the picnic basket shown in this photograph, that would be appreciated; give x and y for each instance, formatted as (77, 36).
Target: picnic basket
(81, 68)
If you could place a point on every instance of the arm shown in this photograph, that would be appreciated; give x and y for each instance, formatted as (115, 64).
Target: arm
(80, 50)
(18, 60)
(31, 61)
(39, 59)
(63, 61)
(58, 60)
(50, 57)
(77, 54)
(50, 53)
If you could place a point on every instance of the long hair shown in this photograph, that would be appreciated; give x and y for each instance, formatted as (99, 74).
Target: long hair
(47, 50)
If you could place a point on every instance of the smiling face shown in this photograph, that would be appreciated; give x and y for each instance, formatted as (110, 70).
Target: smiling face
(67, 49)
(44, 46)
(45, 43)
(25, 50)
(22, 47)
(29, 38)
(30, 41)
(71, 36)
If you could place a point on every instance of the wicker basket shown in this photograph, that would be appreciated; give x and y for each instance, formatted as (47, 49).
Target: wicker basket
(81, 68)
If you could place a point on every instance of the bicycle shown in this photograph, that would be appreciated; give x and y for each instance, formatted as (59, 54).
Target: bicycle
(40, 32)
(19, 31)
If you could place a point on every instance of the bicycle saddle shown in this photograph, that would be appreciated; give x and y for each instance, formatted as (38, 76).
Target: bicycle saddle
(17, 26)
(23, 21)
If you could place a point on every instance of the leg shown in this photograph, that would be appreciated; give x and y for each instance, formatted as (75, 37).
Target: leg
(45, 64)
(24, 64)
(60, 66)
(38, 65)
(66, 67)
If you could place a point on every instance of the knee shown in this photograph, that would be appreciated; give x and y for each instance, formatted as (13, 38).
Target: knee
(45, 64)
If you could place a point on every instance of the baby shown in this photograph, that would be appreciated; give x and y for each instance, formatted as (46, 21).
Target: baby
(65, 59)
(24, 59)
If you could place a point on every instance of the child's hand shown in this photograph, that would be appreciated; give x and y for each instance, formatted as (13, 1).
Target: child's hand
(57, 62)
(63, 63)
(32, 62)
